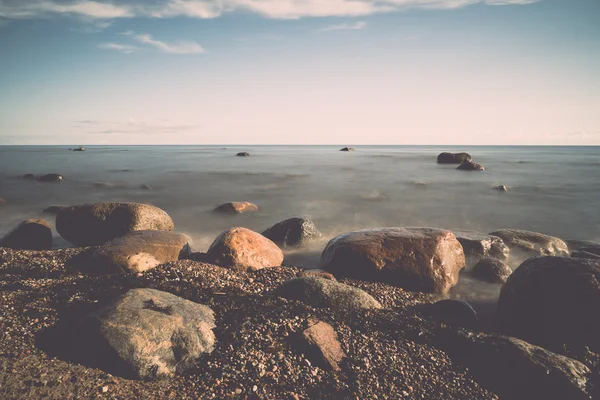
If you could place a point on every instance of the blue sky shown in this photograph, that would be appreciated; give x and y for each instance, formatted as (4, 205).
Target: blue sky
(300, 72)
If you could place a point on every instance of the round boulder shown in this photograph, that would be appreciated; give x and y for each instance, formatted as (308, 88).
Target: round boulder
(292, 232)
(50, 178)
(532, 243)
(453, 158)
(470, 166)
(32, 234)
(237, 207)
(491, 270)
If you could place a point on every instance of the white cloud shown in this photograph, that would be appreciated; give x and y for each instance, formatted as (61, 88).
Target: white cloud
(183, 47)
(123, 48)
(345, 27)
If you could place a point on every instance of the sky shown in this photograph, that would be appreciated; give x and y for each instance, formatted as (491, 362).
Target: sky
(348, 72)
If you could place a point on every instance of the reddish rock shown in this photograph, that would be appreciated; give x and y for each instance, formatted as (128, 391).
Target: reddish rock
(237, 207)
(321, 345)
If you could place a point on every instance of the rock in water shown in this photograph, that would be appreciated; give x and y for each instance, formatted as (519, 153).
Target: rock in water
(501, 188)
(452, 312)
(140, 251)
(348, 149)
(81, 148)
(552, 302)
(146, 334)
(292, 232)
(237, 207)
(51, 178)
(585, 254)
(515, 369)
(325, 293)
(575, 245)
(478, 245)
(28, 177)
(491, 270)
(470, 166)
(32, 234)
(532, 243)
(243, 154)
(243, 249)
(53, 209)
(95, 224)
(453, 158)
(419, 259)
(319, 342)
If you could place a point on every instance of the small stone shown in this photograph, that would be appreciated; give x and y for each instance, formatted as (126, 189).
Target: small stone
(104, 389)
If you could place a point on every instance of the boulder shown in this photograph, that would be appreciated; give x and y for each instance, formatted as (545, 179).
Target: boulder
(320, 344)
(317, 274)
(32, 234)
(453, 158)
(95, 224)
(491, 270)
(243, 154)
(348, 149)
(452, 312)
(470, 166)
(292, 232)
(53, 209)
(325, 293)
(515, 369)
(419, 259)
(237, 207)
(585, 254)
(243, 249)
(146, 334)
(28, 177)
(140, 251)
(50, 178)
(532, 243)
(478, 245)
(553, 302)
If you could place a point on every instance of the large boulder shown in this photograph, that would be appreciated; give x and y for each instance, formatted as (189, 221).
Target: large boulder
(491, 270)
(50, 178)
(292, 232)
(243, 249)
(319, 342)
(95, 224)
(470, 166)
(515, 369)
(146, 334)
(478, 245)
(139, 251)
(237, 207)
(532, 243)
(420, 259)
(32, 234)
(453, 158)
(326, 293)
(552, 302)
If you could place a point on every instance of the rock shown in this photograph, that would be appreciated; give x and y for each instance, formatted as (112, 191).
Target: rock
(325, 293)
(453, 158)
(146, 334)
(491, 270)
(591, 249)
(237, 207)
(419, 259)
(81, 148)
(470, 166)
(243, 154)
(532, 243)
(32, 234)
(243, 249)
(320, 344)
(478, 245)
(452, 312)
(348, 149)
(95, 224)
(515, 369)
(50, 178)
(145, 187)
(575, 245)
(140, 251)
(501, 188)
(292, 232)
(553, 302)
(53, 209)
(317, 274)
(28, 177)
(585, 254)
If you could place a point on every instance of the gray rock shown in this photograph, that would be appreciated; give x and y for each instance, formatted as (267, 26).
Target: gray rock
(452, 312)
(292, 232)
(32, 234)
(28, 177)
(491, 270)
(50, 178)
(347, 149)
(453, 158)
(532, 243)
(501, 188)
(478, 245)
(470, 166)
(2, 201)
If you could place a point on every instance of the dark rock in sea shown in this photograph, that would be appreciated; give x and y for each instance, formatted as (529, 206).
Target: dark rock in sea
(53, 209)
(470, 166)
(575, 245)
(319, 342)
(95, 224)
(585, 254)
(146, 334)
(32, 234)
(491, 270)
(325, 293)
(553, 302)
(243, 154)
(317, 274)
(477, 245)
(515, 369)
(243, 249)
(28, 176)
(501, 188)
(452, 312)
(237, 207)
(145, 187)
(140, 251)
(50, 178)
(453, 158)
(81, 148)
(591, 249)
(348, 149)
(532, 243)
(418, 259)
(292, 232)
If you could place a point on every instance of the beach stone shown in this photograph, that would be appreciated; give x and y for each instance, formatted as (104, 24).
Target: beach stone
(491, 270)
(243, 249)
(453, 158)
(146, 334)
(347, 149)
(585, 254)
(292, 232)
(317, 274)
(51, 178)
(243, 154)
(418, 259)
(532, 243)
(470, 166)
(32, 234)
(28, 176)
(452, 312)
(325, 293)
(53, 209)
(515, 369)
(319, 342)
(237, 207)
(553, 302)
(96, 224)
(140, 251)
(478, 245)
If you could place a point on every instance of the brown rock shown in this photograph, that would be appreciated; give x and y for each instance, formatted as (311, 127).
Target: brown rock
(32, 234)
(317, 274)
(491, 270)
(478, 245)
(532, 243)
(237, 207)
(320, 345)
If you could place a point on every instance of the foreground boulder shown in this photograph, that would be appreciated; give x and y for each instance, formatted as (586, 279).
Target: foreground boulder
(478, 245)
(320, 344)
(491, 270)
(243, 249)
(292, 232)
(552, 302)
(419, 259)
(50, 178)
(451, 312)
(237, 207)
(32, 234)
(453, 158)
(470, 166)
(146, 334)
(140, 251)
(515, 369)
(325, 293)
(95, 224)
(532, 243)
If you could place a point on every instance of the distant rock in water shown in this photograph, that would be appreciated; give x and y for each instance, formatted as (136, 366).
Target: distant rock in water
(81, 148)
(501, 188)
(452, 312)
(28, 176)
(292, 232)
(532, 243)
(491, 270)
(470, 166)
(453, 158)
(243, 154)
(53, 209)
(146, 187)
(32, 234)
(237, 207)
(50, 178)
(2, 201)
(348, 149)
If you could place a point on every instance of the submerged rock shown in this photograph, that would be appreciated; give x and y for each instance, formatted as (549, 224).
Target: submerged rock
(237, 207)
(532, 243)
(477, 245)
(243, 154)
(470, 166)
(453, 158)
(53, 209)
(32, 234)
(292, 232)
(452, 312)
(319, 342)
(28, 176)
(50, 178)
(491, 270)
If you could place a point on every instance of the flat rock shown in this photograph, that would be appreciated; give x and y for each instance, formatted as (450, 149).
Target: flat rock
(470, 166)
(452, 312)
(293, 232)
(532, 243)
(501, 188)
(491, 270)
(453, 158)
(32, 234)
(320, 344)
(29, 177)
(477, 245)
(237, 207)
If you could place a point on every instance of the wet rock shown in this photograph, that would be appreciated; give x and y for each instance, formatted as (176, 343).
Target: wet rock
(292, 232)
(575, 245)
(491, 270)
(418, 259)
(347, 149)
(237, 207)
(243, 249)
(453, 158)
(32, 234)
(50, 178)
(81, 148)
(95, 224)
(585, 254)
(478, 245)
(317, 274)
(146, 334)
(325, 293)
(243, 154)
(319, 342)
(452, 312)
(28, 177)
(501, 188)
(140, 251)
(553, 302)
(532, 243)
(470, 166)
(53, 209)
